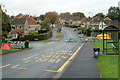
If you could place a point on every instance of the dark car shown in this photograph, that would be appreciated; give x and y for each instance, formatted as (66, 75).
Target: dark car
(79, 32)
(75, 29)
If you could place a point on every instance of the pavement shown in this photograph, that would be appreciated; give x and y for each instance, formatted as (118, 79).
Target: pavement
(83, 66)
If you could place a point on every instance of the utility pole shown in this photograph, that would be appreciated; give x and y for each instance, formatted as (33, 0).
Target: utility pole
(92, 25)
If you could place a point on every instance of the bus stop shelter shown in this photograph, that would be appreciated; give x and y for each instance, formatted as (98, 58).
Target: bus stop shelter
(111, 43)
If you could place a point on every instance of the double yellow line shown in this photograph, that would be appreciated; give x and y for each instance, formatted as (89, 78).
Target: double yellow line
(67, 62)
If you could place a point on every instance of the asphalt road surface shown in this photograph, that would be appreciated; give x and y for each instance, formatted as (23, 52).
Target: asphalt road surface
(42, 61)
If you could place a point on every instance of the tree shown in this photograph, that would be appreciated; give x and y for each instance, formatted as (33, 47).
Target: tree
(100, 15)
(66, 14)
(52, 16)
(45, 24)
(6, 26)
(42, 17)
(114, 13)
(78, 14)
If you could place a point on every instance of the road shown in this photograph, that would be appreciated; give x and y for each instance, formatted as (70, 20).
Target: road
(42, 61)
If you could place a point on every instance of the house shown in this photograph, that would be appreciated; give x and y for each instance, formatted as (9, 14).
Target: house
(84, 22)
(23, 25)
(104, 23)
(108, 22)
(94, 23)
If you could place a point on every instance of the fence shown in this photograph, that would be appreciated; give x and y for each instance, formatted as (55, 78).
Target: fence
(17, 44)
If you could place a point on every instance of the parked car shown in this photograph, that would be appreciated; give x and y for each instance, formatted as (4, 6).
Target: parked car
(86, 39)
(75, 29)
(79, 32)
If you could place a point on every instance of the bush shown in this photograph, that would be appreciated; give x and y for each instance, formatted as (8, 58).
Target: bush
(42, 31)
(88, 32)
(43, 36)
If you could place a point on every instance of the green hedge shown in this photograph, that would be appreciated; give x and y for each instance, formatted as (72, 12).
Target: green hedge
(43, 36)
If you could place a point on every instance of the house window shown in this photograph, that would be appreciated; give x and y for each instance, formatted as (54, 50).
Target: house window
(13, 27)
(19, 27)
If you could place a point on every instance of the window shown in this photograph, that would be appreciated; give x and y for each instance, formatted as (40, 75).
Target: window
(13, 27)
(19, 27)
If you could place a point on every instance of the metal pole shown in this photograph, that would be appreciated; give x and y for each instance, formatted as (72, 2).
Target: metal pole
(92, 25)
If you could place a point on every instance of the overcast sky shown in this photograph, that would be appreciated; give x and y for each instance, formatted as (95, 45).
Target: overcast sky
(38, 7)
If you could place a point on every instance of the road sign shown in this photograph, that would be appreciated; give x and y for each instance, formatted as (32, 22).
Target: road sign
(6, 46)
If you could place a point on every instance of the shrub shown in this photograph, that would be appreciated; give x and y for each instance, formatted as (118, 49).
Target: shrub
(42, 31)
(42, 36)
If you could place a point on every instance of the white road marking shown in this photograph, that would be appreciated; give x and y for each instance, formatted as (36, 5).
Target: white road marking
(50, 42)
(30, 57)
(5, 65)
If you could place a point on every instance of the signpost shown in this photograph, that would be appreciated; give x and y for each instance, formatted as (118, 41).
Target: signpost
(6, 46)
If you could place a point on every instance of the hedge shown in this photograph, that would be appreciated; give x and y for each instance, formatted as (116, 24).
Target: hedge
(43, 36)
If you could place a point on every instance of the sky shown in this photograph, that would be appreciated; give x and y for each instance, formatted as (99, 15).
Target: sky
(38, 7)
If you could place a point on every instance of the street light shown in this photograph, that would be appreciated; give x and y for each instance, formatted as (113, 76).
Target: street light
(92, 25)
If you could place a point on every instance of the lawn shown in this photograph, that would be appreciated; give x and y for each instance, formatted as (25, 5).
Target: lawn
(59, 36)
(99, 44)
(108, 64)
(8, 51)
(42, 41)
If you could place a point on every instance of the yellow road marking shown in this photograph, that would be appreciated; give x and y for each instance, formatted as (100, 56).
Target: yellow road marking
(58, 60)
(37, 61)
(52, 60)
(27, 61)
(45, 60)
(64, 57)
(36, 58)
(66, 63)
(49, 56)
(40, 60)
(16, 67)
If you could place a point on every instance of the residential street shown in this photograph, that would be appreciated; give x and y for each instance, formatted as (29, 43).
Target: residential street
(39, 61)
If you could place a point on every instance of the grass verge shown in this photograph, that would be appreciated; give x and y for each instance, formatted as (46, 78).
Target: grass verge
(108, 65)
(59, 36)
(8, 51)
(42, 41)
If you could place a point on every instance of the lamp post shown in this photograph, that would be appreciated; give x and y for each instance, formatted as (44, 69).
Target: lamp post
(92, 25)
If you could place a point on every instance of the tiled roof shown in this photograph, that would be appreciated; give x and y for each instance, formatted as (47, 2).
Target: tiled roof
(18, 21)
(21, 21)
(19, 16)
(30, 20)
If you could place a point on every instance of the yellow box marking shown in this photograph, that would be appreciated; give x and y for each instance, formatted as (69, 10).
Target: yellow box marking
(52, 60)
(41, 60)
(49, 56)
(45, 60)
(58, 60)
(27, 61)
(64, 57)
(36, 57)
(66, 63)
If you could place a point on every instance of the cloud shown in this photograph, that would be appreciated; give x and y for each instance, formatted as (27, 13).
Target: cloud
(37, 7)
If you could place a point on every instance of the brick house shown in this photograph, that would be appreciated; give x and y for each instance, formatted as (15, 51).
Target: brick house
(23, 25)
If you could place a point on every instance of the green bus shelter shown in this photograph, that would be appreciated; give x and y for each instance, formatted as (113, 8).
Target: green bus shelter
(111, 41)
